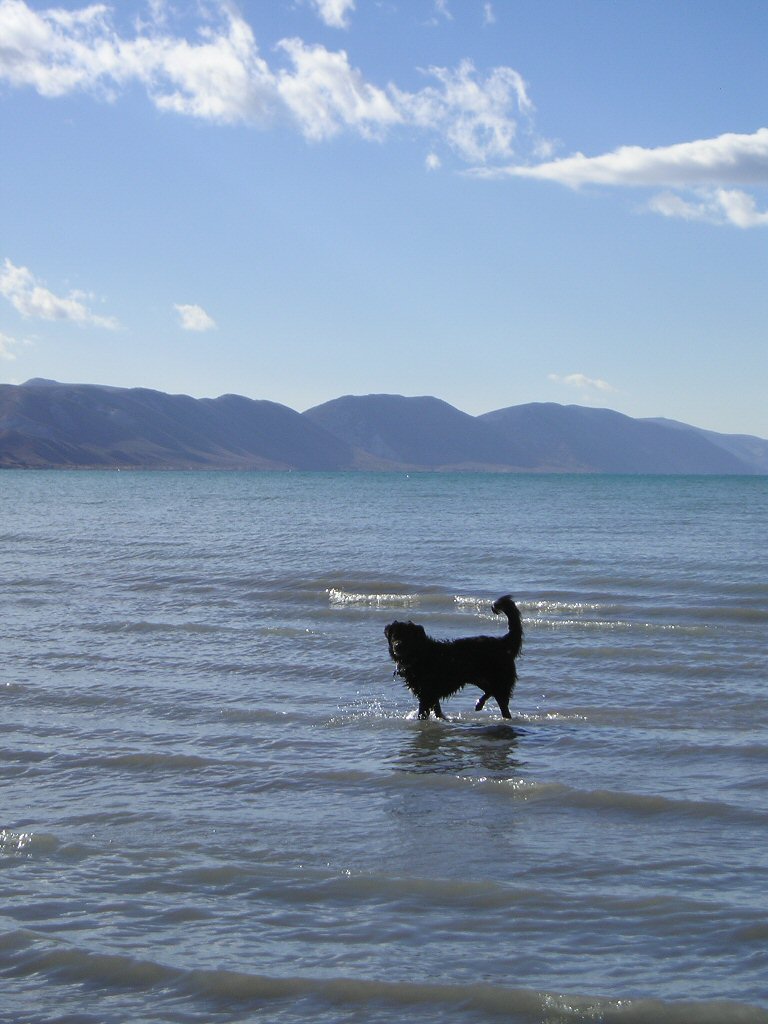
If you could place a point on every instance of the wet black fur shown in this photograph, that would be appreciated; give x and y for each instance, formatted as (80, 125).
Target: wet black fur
(435, 669)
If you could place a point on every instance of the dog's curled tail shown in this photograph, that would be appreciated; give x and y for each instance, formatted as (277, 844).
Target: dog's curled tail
(505, 605)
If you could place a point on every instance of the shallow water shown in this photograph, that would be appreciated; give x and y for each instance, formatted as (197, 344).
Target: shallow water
(219, 806)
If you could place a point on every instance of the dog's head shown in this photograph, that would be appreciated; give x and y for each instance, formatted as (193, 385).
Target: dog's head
(503, 605)
(403, 637)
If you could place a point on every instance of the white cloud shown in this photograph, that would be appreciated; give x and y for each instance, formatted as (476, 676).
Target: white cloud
(6, 345)
(670, 204)
(489, 18)
(220, 79)
(32, 299)
(325, 94)
(740, 208)
(441, 9)
(726, 160)
(579, 381)
(433, 162)
(194, 318)
(716, 206)
(219, 76)
(704, 172)
(335, 13)
(477, 118)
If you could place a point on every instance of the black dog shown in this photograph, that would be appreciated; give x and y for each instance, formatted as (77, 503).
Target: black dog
(433, 669)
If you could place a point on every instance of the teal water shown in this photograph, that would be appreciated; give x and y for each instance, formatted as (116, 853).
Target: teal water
(217, 804)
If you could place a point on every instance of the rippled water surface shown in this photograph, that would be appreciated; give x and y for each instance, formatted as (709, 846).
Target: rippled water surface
(217, 804)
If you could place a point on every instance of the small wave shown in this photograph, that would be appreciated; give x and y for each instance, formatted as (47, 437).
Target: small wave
(481, 605)
(26, 845)
(14, 842)
(192, 628)
(23, 756)
(251, 715)
(28, 954)
(143, 584)
(652, 805)
(552, 716)
(91, 698)
(633, 804)
(615, 626)
(638, 804)
(426, 600)
(145, 761)
(344, 597)
(17, 842)
(542, 607)
(538, 614)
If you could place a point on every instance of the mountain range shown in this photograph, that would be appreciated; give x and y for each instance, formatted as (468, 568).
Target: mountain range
(48, 425)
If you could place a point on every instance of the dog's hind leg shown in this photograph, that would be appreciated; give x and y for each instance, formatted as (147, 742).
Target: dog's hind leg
(501, 699)
(503, 702)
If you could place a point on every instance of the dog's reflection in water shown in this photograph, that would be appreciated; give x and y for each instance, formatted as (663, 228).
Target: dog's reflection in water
(463, 749)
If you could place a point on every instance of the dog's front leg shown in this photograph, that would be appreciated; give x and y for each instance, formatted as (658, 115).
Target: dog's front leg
(481, 702)
(425, 708)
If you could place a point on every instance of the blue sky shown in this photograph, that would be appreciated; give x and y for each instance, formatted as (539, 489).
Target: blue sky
(490, 202)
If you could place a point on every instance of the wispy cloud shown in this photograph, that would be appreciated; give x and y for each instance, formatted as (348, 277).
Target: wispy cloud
(715, 206)
(194, 318)
(325, 94)
(7, 344)
(477, 117)
(32, 299)
(700, 175)
(220, 76)
(588, 387)
(335, 13)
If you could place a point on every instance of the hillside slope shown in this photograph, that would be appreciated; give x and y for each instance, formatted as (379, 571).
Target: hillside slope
(83, 425)
(44, 424)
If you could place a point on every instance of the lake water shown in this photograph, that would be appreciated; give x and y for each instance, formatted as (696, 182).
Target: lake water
(218, 805)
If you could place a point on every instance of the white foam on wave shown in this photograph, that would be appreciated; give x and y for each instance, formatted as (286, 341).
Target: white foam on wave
(14, 842)
(476, 604)
(552, 607)
(336, 596)
(614, 625)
